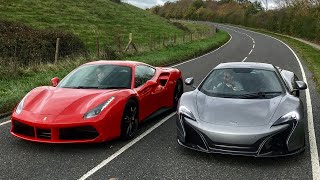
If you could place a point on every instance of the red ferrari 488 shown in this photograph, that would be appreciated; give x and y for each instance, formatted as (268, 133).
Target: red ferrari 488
(96, 102)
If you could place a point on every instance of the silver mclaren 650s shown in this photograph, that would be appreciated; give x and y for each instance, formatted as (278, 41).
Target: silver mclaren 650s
(245, 108)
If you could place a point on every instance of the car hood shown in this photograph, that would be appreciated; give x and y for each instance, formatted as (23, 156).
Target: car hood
(236, 112)
(64, 101)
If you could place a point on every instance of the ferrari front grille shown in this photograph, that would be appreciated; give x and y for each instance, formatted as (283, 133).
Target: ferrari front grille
(78, 133)
(23, 129)
(44, 133)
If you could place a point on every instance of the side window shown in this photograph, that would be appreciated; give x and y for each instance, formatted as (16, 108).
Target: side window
(143, 74)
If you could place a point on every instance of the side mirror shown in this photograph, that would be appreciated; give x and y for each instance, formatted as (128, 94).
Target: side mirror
(55, 81)
(301, 85)
(189, 81)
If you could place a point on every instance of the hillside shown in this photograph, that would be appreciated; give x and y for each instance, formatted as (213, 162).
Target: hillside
(87, 19)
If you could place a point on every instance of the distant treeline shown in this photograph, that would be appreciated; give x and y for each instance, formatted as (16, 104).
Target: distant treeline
(24, 45)
(300, 18)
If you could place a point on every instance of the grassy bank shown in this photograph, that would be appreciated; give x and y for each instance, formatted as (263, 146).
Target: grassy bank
(309, 54)
(12, 90)
(88, 19)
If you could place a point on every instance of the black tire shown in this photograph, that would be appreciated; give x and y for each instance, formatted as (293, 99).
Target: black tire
(178, 91)
(130, 122)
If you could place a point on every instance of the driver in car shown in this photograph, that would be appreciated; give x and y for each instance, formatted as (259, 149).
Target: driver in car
(229, 83)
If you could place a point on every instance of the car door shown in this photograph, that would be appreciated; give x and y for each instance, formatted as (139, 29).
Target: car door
(145, 86)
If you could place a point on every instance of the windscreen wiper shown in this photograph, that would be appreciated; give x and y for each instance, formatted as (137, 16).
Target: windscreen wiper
(81, 87)
(258, 94)
(113, 87)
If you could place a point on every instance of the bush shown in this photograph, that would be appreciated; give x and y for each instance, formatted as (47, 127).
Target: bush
(26, 45)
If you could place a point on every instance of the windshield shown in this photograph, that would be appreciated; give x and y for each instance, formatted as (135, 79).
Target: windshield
(98, 77)
(244, 83)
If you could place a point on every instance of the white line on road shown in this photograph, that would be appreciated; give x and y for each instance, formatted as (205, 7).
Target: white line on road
(124, 148)
(312, 137)
(253, 41)
(127, 146)
(204, 54)
(6, 122)
(244, 59)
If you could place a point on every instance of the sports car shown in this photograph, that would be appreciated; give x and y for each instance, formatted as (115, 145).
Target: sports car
(243, 108)
(96, 102)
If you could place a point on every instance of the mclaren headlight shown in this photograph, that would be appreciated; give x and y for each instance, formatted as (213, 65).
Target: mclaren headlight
(97, 110)
(20, 105)
(291, 116)
(184, 112)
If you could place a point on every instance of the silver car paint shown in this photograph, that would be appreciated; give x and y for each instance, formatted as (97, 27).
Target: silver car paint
(224, 120)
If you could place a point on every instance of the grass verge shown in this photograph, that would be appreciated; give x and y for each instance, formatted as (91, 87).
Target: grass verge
(12, 90)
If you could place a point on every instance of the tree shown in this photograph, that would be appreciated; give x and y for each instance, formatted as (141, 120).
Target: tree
(198, 4)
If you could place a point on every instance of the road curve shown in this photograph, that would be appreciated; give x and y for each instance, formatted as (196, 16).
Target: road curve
(157, 155)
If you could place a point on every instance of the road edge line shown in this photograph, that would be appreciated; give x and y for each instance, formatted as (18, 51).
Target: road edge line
(311, 132)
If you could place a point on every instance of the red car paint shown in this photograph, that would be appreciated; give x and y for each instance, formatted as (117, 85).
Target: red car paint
(51, 110)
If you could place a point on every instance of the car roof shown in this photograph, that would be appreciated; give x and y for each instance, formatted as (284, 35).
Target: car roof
(117, 62)
(255, 65)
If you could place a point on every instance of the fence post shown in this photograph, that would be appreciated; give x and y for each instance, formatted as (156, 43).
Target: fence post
(131, 43)
(98, 47)
(183, 38)
(57, 51)
(163, 40)
(150, 44)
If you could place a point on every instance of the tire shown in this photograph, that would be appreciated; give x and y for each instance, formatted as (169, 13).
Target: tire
(130, 122)
(178, 91)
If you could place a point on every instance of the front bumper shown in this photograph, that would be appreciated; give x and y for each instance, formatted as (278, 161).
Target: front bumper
(42, 128)
(268, 144)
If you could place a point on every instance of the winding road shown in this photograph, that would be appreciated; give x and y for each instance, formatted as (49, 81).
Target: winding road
(155, 154)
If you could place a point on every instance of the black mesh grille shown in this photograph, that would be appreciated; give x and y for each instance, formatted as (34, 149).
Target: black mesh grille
(276, 144)
(192, 137)
(78, 133)
(23, 129)
(44, 133)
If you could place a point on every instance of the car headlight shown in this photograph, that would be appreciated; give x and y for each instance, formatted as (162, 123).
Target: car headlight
(97, 110)
(20, 105)
(287, 118)
(186, 113)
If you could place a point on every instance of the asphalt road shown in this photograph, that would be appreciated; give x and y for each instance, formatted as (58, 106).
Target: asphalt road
(157, 155)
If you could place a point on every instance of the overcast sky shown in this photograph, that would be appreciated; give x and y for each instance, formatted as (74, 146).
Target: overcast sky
(150, 3)
(147, 3)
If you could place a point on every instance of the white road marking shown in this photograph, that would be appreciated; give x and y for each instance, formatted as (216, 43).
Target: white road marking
(204, 54)
(124, 148)
(127, 146)
(253, 41)
(244, 59)
(6, 122)
(312, 137)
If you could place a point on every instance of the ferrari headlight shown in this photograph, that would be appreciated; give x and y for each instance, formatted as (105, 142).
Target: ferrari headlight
(20, 105)
(96, 111)
(186, 113)
(287, 118)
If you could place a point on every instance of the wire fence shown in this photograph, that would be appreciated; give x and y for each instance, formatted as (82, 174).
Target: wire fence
(17, 52)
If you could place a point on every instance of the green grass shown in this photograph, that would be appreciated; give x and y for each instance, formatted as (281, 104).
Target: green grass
(309, 54)
(182, 52)
(88, 19)
(12, 90)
